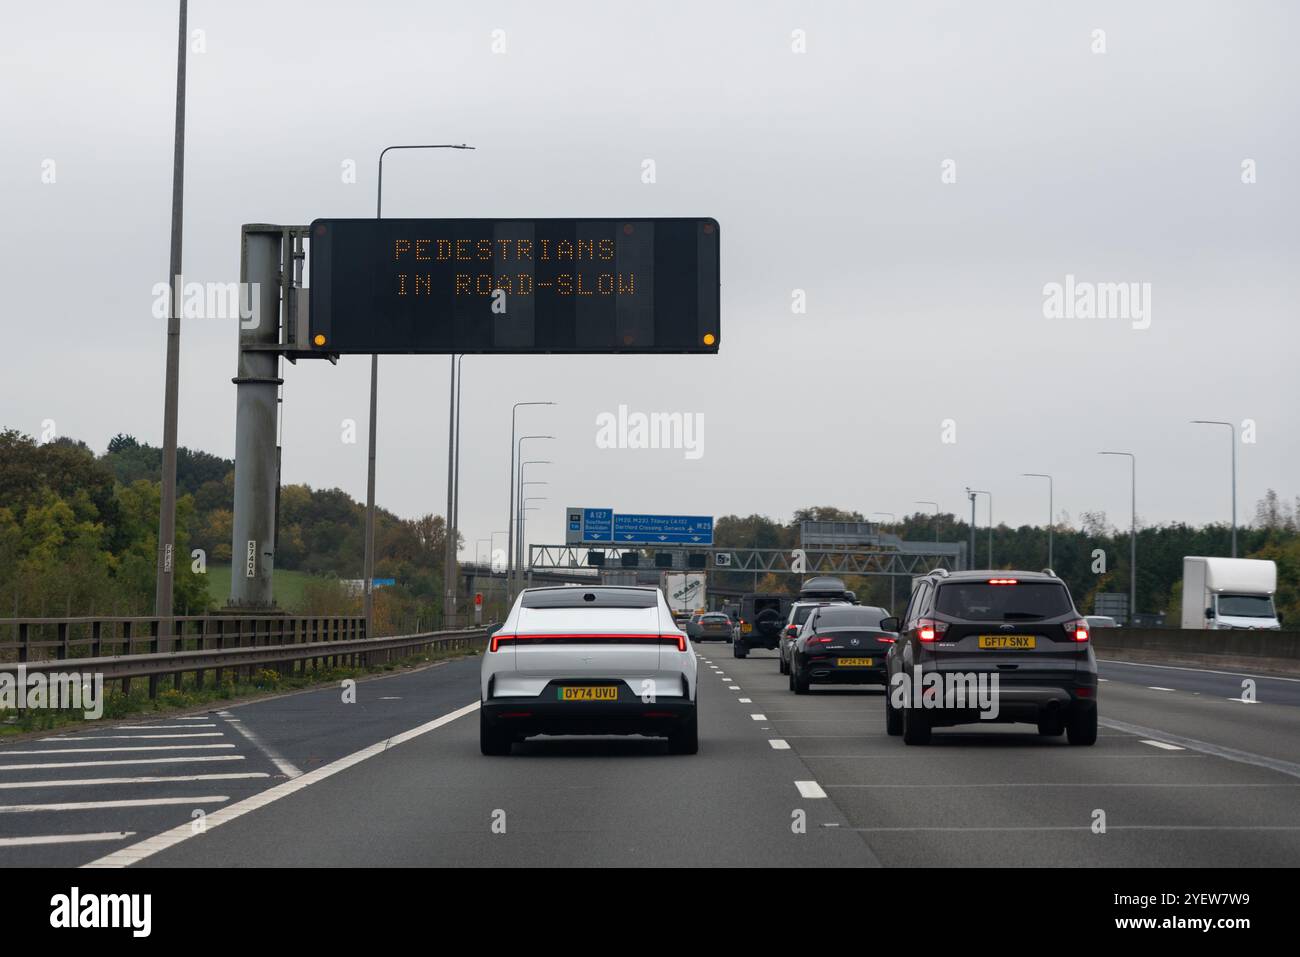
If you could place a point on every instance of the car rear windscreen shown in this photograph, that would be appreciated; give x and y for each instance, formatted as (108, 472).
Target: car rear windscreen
(801, 613)
(1023, 601)
(591, 598)
(850, 616)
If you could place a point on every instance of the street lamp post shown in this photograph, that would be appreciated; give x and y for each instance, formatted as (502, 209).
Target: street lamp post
(519, 538)
(451, 555)
(369, 571)
(523, 523)
(1133, 538)
(517, 453)
(1050, 507)
(166, 558)
(972, 492)
(510, 522)
(971, 495)
(1233, 429)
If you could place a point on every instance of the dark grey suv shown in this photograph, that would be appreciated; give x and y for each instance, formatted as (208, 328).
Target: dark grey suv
(1016, 635)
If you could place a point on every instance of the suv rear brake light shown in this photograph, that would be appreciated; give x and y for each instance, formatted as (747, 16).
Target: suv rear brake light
(1077, 629)
(929, 629)
(1004, 581)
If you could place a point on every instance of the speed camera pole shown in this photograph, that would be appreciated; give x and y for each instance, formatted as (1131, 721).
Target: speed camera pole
(167, 498)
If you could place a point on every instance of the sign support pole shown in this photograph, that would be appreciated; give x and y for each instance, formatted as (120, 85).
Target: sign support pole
(256, 385)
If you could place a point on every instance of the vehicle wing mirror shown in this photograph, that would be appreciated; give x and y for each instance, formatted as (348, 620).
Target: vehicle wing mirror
(889, 624)
(1209, 613)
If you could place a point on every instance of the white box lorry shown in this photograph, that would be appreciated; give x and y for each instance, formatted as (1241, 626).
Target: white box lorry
(1227, 593)
(685, 591)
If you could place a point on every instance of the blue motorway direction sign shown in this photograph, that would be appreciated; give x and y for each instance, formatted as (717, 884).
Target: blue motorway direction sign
(604, 526)
(597, 525)
(663, 529)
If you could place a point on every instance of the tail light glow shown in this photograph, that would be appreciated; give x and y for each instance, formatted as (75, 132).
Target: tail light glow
(929, 629)
(498, 640)
(1004, 581)
(1077, 629)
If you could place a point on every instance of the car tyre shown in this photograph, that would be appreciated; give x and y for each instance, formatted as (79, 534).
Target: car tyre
(916, 726)
(783, 666)
(1051, 726)
(686, 740)
(1081, 729)
(739, 650)
(492, 740)
(893, 716)
(799, 680)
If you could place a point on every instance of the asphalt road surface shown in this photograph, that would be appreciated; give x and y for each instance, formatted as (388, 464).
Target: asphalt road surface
(1184, 772)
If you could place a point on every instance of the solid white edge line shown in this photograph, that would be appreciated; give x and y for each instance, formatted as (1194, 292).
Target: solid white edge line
(65, 838)
(807, 789)
(160, 842)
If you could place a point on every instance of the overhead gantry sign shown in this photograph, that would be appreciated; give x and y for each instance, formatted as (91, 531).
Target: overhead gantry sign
(443, 286)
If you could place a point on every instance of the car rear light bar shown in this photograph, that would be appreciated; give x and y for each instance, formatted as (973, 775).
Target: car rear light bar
(498, 639)
(1004, 581)
(929, 629)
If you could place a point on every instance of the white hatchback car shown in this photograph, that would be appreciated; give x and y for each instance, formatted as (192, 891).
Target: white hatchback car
(598, 659)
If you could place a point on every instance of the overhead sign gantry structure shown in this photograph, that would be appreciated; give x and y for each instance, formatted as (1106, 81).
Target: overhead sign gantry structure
(445, 287)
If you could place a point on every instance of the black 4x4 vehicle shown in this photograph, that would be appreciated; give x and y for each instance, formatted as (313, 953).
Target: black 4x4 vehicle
(759, 623)
(970, 626)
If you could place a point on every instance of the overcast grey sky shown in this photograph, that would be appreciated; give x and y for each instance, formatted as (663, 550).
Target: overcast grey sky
(924, 298)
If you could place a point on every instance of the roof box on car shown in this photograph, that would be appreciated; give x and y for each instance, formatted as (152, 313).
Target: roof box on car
(825, 586)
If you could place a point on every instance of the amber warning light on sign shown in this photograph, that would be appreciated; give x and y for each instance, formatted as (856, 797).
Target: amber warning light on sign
(515, 286)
